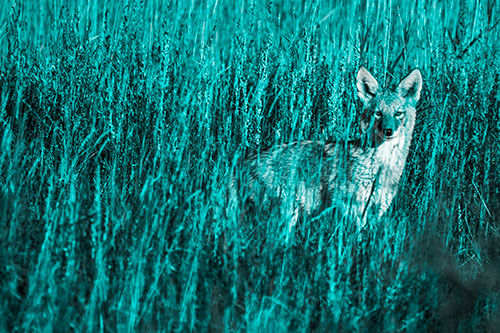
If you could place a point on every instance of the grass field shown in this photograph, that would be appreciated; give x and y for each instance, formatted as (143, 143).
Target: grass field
(122, 122)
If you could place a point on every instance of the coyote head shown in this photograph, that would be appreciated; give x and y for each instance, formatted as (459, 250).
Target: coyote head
(387, 112)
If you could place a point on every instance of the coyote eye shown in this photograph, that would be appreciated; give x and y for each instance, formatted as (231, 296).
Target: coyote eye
(398, 114)
(378, 114)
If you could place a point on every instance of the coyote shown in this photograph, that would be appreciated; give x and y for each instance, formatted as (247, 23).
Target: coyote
(356, 178)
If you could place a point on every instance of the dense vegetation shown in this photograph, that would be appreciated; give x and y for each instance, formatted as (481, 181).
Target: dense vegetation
(122, 122)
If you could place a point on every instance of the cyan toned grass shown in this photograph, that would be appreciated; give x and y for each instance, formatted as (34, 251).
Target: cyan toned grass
(123, 121)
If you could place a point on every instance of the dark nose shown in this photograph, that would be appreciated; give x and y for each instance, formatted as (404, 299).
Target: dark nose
(388, 132)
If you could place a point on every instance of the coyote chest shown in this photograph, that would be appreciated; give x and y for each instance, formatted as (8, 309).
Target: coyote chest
(372, 178)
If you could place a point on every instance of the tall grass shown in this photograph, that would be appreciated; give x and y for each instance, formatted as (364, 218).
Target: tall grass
(123, 121)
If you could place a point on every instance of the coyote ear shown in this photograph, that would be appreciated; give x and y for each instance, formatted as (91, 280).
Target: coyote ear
(367, 86)
(409, 88)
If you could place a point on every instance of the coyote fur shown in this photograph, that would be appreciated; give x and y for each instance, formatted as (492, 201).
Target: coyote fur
(356, 179)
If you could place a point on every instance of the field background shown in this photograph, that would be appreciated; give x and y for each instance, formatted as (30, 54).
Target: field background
(122, 121)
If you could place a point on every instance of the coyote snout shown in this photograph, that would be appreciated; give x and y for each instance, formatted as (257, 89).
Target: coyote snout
(355, 178)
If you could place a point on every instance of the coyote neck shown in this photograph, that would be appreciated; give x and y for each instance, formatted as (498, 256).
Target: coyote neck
(376, 169)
